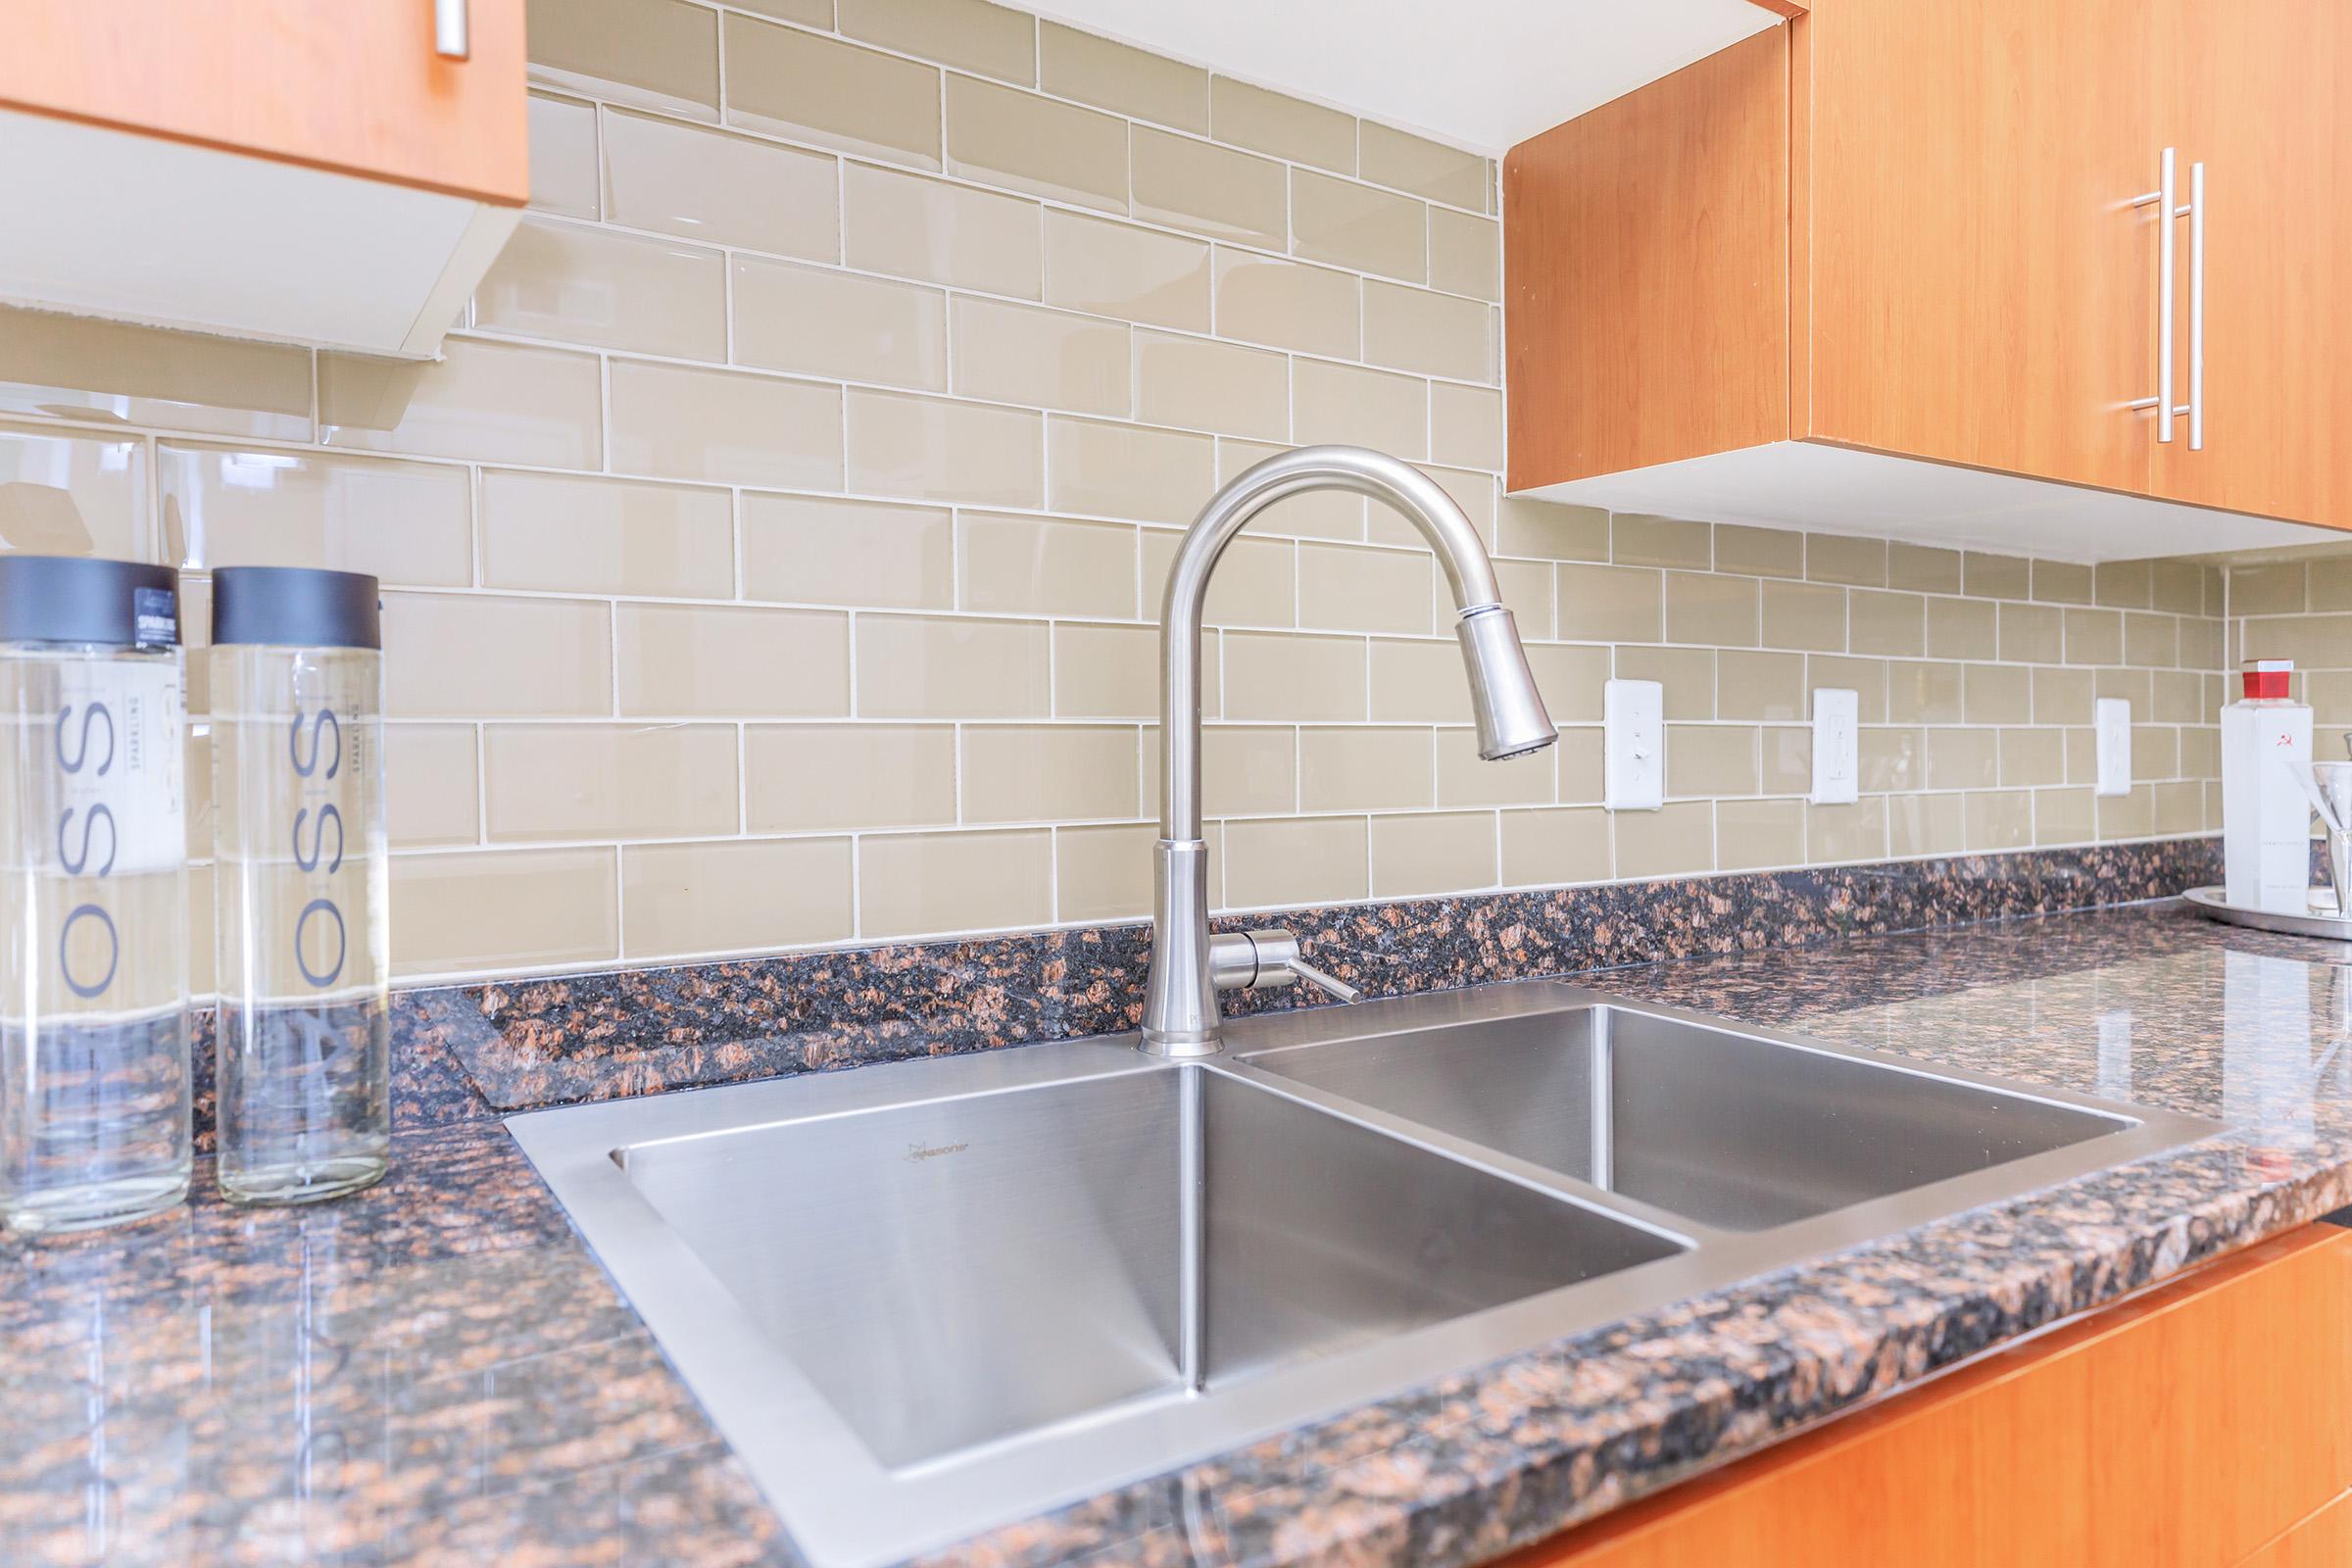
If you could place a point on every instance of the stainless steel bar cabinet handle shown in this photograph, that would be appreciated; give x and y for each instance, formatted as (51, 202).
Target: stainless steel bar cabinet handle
(2165, 198)
(449, 33)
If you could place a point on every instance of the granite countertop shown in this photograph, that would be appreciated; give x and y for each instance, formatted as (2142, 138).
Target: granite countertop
(436, 1370)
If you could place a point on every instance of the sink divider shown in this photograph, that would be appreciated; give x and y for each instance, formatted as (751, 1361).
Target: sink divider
(1604, 1145)
(1192, 1241)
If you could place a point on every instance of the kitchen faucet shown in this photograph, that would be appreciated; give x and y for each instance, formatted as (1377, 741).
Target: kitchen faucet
(1188, 966)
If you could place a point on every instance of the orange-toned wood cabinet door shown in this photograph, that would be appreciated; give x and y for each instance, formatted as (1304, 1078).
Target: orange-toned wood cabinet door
(352, 85)
(1646, 269)
(1981, 290)
(2322, 1541)
(2260, 92)
(2205, 1424)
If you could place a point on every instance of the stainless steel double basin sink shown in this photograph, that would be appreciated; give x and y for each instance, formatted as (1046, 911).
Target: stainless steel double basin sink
(925, 1298)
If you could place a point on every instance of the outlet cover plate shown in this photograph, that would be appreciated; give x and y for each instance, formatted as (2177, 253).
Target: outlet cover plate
(2112, 721)
(1633, 716)
(1836, 745)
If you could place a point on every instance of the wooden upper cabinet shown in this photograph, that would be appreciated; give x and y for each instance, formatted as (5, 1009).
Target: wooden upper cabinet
(2260, 92)
(355, 86)
(1884, 269)
(1646, 253)
(1981, 290)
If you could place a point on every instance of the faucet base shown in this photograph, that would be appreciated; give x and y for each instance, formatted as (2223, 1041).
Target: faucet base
(1154, 1045)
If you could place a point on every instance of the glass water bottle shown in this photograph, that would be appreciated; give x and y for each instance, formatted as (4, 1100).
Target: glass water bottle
(94, 1019)
(298, 784)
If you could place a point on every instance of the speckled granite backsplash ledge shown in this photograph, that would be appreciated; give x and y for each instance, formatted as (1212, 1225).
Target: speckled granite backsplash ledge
(467, 1052)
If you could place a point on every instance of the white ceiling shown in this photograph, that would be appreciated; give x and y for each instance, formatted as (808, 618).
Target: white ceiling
(1482, 74)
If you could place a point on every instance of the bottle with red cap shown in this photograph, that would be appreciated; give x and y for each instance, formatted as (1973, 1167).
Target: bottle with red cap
(2266, 814)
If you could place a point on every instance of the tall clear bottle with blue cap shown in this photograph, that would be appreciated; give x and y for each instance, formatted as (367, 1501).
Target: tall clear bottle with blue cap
(94, 1015)
(300, 879)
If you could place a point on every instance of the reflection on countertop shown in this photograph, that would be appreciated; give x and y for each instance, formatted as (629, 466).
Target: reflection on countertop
(437, 1371)
(434, 1370)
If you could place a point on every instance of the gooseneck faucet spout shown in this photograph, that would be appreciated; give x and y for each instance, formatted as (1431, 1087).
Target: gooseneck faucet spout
(1187, 967)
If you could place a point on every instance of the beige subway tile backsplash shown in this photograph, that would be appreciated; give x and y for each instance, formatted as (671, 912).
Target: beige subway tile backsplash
(432, 785)
(78, 367)
(1433, 851)
(1112, 672)
(1123, 271)
(691, 660)
(1465, 254)
(1206, 385)
(662, 54)
(1122, 78)
(565, 176)
(968, 34)
(1760, 834)
(832, 93)
(912, 225)
(1048, 773)
(1028, 566)
(1555, 847)
(1023, 143)
(1465, 427)
(1358, 769)
(1465, 778)
(1257, 581)
(1296, 860)
(678, 422)
(913, 883)
(1924, 568)
(1293, 128)
(775, 556)
(1098, 468)
(453, 655)
(493, 912)
(1423, 167)
(407, 523)
(1759, 552)
(1347, 404)
(67, 494)
(1435, 334)
(562, 533)
(932, 448)
(1676, 840)
(719, 188)
(489, 402)
(734, 895)
(1347, 588)
(577, 284)
(1358, 226)
(1008, 353)
(1187, 183)
(828, 551)
(800, 778)
(1274, 675)
(817, 320)
(925, 667)
(545, 782)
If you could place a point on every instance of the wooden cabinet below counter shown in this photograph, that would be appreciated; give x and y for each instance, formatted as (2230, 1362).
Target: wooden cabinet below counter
(2206, 1423)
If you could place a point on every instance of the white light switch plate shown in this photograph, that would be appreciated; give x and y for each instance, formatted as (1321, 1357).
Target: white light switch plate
(1837, 744)
(2113, 726)
(1633, 714)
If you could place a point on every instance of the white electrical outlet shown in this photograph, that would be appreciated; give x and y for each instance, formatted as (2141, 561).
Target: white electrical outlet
(1633, 714)
(2113, 722)
(1836, 745)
